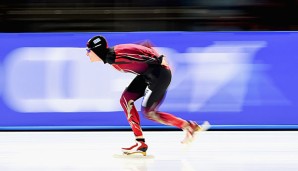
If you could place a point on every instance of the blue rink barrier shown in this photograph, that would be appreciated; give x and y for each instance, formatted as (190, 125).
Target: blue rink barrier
(235, 80)
(150, 128)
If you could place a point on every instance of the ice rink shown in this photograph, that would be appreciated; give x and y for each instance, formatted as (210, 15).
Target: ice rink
(100, 151)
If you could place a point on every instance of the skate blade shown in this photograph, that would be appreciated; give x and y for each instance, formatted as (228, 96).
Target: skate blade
(133, 153)
(134, 156)
(204, 127)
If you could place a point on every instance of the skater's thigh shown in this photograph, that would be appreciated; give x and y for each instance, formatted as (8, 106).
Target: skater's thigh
(137, 86)
(156, 91)
(153, 99)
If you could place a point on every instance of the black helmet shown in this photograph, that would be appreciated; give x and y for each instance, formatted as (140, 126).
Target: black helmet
(97, 42)
(98, 45)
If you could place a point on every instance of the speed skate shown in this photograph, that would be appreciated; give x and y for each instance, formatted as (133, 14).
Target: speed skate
(192, 129)
(137, 152)
(139, 148)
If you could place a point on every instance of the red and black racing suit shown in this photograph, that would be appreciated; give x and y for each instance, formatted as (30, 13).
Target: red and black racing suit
(152, 81)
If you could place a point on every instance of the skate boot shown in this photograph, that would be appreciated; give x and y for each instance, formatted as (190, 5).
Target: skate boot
(191, 130)
(139, 147)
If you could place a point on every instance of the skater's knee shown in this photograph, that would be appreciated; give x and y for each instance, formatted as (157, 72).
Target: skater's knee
(126, 102)
(127, 97)
(150, 114)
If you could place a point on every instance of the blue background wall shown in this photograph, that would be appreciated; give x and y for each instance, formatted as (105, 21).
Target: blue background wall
(232, 79)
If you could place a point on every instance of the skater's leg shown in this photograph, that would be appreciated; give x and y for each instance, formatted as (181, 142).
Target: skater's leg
(152, 113)
(127, 102)
(154, 95)
(153, 98)
(133, 92)
(150, 110)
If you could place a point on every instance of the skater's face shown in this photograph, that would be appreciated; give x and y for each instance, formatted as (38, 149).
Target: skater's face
(93, 57)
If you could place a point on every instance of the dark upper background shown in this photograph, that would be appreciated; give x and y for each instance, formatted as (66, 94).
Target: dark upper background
(152, 15)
